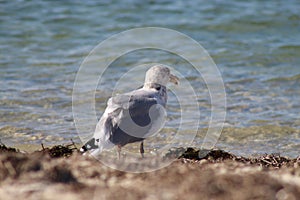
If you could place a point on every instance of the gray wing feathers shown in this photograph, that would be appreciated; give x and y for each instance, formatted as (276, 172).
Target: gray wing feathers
(120, 107)
(137, 104)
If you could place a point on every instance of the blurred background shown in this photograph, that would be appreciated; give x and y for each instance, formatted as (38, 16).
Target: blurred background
(255, 44)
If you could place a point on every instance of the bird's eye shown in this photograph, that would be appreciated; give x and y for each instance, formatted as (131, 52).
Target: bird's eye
(158, 87)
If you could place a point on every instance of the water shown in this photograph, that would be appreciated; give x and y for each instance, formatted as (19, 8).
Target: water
(256, 46)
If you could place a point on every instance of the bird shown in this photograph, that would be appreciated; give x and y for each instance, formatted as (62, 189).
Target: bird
(132, 117)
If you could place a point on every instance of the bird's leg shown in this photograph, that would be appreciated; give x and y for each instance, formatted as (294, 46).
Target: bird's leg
(142, 149)
(119, 151)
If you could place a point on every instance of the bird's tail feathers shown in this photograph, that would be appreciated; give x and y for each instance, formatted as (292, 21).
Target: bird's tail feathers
(89, 145)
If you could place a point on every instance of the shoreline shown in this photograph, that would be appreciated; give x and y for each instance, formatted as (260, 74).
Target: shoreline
(243, 141)
(61, 172)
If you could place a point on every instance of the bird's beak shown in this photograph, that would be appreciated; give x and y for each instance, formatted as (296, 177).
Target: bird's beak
(174, 79)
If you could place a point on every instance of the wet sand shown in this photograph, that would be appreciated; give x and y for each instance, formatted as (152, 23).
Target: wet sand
(58, 173)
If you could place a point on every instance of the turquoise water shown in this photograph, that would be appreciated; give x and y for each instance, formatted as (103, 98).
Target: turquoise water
(256, 46)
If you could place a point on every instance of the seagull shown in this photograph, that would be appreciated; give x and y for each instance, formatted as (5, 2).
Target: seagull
(133, 116)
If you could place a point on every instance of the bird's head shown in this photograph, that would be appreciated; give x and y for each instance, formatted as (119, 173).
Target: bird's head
(161, 75)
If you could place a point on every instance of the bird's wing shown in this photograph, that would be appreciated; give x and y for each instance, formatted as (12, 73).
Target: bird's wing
(135, 105)
(120, 110)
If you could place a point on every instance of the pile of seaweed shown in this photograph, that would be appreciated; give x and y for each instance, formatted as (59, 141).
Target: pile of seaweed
(61, 150)
(191, 154)
(266, 160)
(4, 148)
(56, 151)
